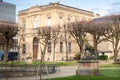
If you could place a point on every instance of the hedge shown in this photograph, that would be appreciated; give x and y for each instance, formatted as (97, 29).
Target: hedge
(103, 57)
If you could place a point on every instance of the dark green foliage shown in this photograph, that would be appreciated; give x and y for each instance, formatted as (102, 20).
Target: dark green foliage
(77, 56)
(103, 57)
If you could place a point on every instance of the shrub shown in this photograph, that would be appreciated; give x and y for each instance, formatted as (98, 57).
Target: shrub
(103, 57)
(77, 56)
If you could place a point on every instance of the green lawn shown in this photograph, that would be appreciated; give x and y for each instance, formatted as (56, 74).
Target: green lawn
(105, 75)
(70, 63)
(109, 65)
(35, 63)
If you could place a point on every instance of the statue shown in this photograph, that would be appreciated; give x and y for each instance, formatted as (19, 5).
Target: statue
(89, 57)
(88, 65)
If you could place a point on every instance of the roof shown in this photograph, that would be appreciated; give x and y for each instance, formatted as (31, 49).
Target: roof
(50, 5)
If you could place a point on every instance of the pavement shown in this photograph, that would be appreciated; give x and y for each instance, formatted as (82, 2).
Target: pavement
(62, 72)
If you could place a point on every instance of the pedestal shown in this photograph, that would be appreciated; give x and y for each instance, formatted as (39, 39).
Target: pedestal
(88, 67)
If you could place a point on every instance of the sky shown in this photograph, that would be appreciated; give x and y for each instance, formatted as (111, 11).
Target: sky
(102, 7)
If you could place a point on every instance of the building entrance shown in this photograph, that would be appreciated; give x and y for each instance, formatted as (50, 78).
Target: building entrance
(35, 48)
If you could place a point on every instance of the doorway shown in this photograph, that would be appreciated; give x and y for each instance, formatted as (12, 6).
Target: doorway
(35, 47)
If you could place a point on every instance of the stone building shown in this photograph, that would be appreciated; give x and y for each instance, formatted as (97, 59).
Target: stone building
(50, 15)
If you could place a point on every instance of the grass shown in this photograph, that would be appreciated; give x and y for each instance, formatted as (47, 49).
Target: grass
(113, 74)
(109, 65)
(70, 63)
(35, 63)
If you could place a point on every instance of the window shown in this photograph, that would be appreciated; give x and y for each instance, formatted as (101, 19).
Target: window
(23, 39)
(49, 21)
(49, 47)
(61, 47)
(23, 49)
(24, 24)
(61, 21)
(69, 20)
(83, 19)
(35, 22)
(76, 18)
(69, 47)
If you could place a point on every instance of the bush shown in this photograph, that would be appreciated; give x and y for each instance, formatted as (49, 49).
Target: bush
(103, 57)
(77, 56)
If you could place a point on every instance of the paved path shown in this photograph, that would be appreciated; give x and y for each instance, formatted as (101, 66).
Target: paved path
(64, 71)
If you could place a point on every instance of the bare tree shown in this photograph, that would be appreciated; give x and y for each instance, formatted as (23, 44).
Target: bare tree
(56, 32)
(113, 21)
(66, 40)
(21, 36)
(7, 30)
(45, 35)
(98, 29)
(77, 30)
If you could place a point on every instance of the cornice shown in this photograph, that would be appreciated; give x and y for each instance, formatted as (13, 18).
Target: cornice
(57, 6)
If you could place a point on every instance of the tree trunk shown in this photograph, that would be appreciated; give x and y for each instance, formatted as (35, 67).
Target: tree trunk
(115, 50)
(6, 52)
(54, 54)
(19, 53)
(66, 51)
(115, 55)
(41, 64)
(95, 47)
(66, 44)
(81, 48)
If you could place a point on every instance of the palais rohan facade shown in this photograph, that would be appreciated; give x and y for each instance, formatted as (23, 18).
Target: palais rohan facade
(50, 15)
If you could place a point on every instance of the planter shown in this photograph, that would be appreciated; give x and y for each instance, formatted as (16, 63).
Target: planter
(88, 67)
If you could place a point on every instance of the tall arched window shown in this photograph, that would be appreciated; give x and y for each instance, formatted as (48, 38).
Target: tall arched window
(69, 47)
(61, 21)
(49, 47)
(61, 47)
(23, 48)
(49, 21)
(24, 24)
(35, 22)
(69, 20)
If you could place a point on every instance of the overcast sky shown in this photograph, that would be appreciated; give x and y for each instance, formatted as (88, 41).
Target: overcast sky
(103, 7)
